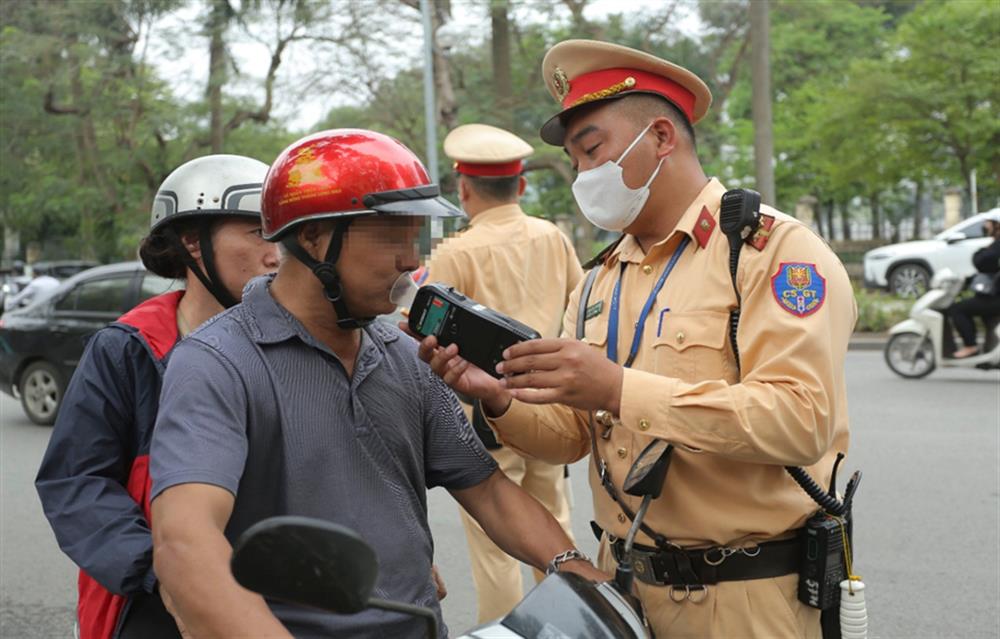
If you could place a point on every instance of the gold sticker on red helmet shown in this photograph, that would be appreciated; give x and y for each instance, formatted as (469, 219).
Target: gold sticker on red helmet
(308, 169)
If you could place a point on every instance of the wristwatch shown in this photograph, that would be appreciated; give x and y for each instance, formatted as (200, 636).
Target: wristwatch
(562, 558)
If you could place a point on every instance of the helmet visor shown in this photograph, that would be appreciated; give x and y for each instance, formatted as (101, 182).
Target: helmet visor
(421, 201)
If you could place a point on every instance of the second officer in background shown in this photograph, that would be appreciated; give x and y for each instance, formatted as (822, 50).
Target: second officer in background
(522, 266)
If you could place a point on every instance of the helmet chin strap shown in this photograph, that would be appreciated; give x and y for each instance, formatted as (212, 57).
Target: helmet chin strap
(210, 276)
(326, 273)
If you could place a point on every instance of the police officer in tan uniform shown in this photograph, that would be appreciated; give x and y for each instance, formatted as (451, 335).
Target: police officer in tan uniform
(522, 266)
(656, 361)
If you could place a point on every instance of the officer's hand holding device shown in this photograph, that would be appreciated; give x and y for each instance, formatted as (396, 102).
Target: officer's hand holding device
(481, 334)
(572, 374)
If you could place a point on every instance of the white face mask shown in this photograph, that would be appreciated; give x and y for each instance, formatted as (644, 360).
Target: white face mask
(604, 197)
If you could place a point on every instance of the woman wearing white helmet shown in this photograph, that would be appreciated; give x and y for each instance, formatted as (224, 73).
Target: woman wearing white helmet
(94, 479)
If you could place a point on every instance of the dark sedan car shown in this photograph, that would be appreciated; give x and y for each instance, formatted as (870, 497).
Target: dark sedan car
(41, 344)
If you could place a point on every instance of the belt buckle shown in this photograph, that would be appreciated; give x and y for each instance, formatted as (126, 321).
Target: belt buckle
(640, 561)
(642, 565)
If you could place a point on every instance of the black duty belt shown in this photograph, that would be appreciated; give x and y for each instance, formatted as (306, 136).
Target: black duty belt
(706, 566)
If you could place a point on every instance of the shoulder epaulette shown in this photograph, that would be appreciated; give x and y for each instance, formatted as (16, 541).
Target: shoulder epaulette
(761, 236)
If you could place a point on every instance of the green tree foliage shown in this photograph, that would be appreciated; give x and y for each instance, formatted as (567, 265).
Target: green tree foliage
(78, 116)
(942, 88)
(875, 101)
(89, 130)
(901, 110)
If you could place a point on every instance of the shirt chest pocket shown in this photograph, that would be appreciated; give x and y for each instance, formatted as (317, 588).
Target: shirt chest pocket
(691, 346)
(596, 332)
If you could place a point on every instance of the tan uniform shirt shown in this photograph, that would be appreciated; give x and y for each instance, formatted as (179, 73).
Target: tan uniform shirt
(726, 484)
(520, 265)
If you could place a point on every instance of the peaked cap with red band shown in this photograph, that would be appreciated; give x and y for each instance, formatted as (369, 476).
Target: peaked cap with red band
(482, 150)
(581, 72)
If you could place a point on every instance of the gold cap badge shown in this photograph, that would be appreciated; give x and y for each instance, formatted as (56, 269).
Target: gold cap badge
(561, 83)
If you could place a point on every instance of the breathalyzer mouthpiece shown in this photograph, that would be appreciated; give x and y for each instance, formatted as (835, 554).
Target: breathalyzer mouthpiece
(403, 291)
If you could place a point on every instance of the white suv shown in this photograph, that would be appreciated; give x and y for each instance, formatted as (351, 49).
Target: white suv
(907, 268)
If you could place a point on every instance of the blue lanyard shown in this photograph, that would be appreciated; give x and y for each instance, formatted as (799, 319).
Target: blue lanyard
(647, 307)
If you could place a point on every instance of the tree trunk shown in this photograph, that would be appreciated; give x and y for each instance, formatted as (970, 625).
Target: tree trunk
(818, 216)
(580, 24)
(876, 216)
(845, 221)
(503, 90)
(218, 20)
(763, 138)
(446, 103)
(963, 166)
(918, 218)
(86, 140)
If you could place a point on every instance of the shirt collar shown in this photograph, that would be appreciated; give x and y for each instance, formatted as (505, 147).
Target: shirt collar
(271, 323)
(496, 214)
(710, 197)
(268, 321)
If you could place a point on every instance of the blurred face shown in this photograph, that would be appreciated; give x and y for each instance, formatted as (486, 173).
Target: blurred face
(375, 251)
(991, 228)
(241, 253)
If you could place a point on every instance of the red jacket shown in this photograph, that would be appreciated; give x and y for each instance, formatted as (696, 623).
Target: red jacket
(94, 479)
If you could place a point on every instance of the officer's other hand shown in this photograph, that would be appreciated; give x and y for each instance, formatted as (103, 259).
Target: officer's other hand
(439, 587)
(405, 327)
(564, 371)
(463, 377)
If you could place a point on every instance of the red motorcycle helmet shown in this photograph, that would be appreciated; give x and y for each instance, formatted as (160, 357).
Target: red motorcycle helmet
(347, 173)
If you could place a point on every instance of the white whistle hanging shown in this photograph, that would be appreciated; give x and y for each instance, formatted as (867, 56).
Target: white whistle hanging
(853, 613)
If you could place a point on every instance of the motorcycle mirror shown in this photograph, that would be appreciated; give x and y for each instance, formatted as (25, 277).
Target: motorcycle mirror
(649, 470)
(306, 561)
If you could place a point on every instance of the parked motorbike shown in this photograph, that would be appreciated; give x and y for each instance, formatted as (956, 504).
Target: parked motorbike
(917, 346)
(316, 563)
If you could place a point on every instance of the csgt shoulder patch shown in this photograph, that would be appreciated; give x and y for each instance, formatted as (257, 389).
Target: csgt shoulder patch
(799, 288)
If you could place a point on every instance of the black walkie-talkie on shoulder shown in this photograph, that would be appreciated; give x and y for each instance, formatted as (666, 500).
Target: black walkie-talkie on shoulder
(740, 213)
(739, 217)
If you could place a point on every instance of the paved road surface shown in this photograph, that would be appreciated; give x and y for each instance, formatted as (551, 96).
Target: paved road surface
(928, 512)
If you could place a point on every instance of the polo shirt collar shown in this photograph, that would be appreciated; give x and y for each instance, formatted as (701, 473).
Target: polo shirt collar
(271, 323)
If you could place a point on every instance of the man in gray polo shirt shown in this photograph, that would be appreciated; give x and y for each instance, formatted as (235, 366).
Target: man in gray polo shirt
(283, 405)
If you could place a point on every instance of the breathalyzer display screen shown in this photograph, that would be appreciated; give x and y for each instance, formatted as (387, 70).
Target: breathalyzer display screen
(436, 312)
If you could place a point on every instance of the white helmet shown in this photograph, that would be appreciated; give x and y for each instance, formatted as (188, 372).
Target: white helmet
(203, 191)
(210, 186)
